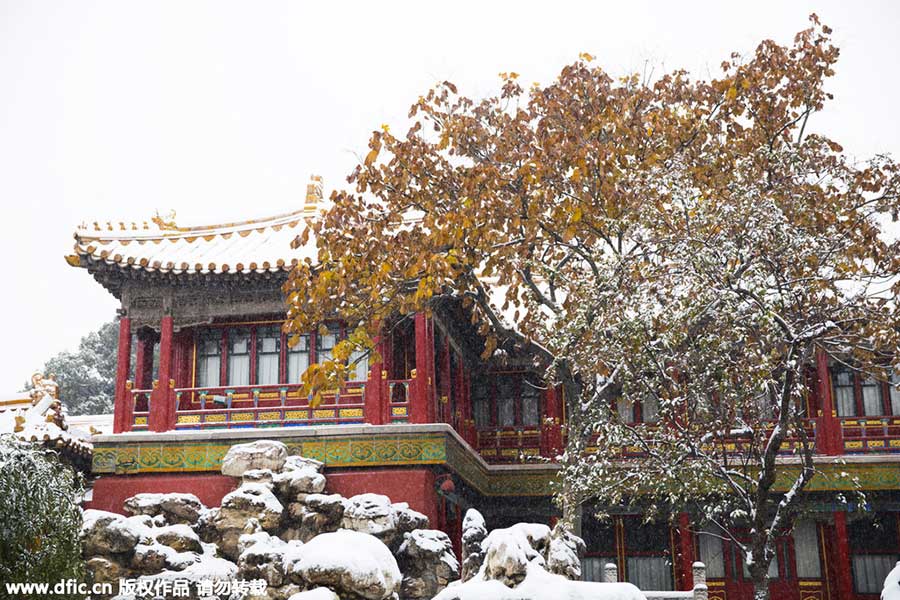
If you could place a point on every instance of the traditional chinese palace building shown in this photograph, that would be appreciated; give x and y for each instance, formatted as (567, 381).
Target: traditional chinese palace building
(434, 424)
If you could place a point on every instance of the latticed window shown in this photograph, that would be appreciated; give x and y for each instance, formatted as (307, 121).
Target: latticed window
(506, 401)
(895, 392)
(209, 359)
(298, 359)
(874, 550)
(806, 550)
(325, 344)
(650, 409)
(871, 397)
(359, 365)
(531, 404)
(268, 354)
(712, 553)
(648, 555)
(238, 357)
(844, 393)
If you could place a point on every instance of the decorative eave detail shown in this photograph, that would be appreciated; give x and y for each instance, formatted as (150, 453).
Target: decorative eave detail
(261, 246)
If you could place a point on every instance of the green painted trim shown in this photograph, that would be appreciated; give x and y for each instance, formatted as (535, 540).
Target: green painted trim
(416, 448)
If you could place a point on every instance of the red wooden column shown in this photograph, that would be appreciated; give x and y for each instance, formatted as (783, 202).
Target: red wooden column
(551, 431)
(123, 407)
(829, 434)
(143, 361)
(841, 557)
(685, 549)
(373, 409)
(162, 399)
(422, 402)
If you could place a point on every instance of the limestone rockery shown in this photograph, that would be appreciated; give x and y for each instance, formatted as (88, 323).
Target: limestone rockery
(278, 526)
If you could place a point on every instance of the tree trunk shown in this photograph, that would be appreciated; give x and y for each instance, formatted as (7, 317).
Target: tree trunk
(760, 583)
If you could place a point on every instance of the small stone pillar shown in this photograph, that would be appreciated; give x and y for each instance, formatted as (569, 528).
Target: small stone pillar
(701, 592)
(610, 573)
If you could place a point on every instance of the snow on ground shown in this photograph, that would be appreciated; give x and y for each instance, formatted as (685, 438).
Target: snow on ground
(892, 585)
(539, 585)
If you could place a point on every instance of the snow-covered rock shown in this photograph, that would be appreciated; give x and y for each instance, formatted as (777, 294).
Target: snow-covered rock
(507, 552)
(294, 462)
(313, 514)
(376, 515)
(261, 454)
(104, 569)
(250, 501)
(306, 480)
(106, 533)
(149, 559)
(316, 594)
(506, 558)
(427, 562)
(891, 589)
(180, 538)
(175, 508)
(409, 519)
(473, 533)
(257, 476)
(348, 562)
(370, 513)
(565, 552)
(262, 557)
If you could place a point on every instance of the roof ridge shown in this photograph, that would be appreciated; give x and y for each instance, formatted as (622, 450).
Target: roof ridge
(134, 230)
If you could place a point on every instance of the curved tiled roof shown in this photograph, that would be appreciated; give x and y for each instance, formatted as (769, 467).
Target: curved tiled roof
(252, 246)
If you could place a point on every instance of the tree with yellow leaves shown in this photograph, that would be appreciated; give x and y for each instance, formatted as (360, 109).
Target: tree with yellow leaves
(685, 242)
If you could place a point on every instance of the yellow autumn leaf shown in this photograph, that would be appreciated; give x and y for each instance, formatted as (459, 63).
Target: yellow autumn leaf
(576, 214)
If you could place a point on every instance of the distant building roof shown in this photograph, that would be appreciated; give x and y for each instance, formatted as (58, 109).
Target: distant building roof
(38, 416)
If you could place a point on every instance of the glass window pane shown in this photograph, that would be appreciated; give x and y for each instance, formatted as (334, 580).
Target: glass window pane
(298, 359)
(531, 405)
(844, 396)
(268, 350)
(238, 357)
(506, 401)
(325, 344)
(895, 393)
(481, 411)
(208, 371)
(267, 369)
(650, 572)
(711, 553)
(650, 409)
(209, 348)
(871, 393)
(806, 550)
(359, 365)
(625, 410)
(870, 571)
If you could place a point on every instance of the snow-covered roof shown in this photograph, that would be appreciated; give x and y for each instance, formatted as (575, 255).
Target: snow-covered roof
(40, 417)
(252, 246)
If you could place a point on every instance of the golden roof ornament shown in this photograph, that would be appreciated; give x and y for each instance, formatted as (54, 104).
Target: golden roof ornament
(42, 386)
(166, 223)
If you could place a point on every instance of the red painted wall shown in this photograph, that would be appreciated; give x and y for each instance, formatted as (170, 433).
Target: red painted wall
(413, 486)
(111, 491)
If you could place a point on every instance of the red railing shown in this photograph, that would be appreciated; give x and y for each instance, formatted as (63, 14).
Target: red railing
(870, 434)
(399, 392)
(508, 444)
(255, 406)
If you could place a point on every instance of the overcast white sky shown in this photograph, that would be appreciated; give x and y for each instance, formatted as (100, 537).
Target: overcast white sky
(222, 110)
